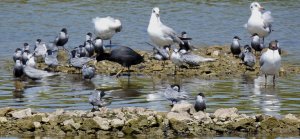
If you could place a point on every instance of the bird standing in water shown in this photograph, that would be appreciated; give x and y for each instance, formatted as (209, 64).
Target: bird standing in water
(200, 102)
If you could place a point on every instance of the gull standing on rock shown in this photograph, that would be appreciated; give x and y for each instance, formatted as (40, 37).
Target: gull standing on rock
(98, 45)
(256, 44)
(88, 36)
(200, 102)
(40, 48)
(51, 58)
(89, 47)
(249, 58)
(62, 38)
(270, 61)
(174, 94)
(36, 74)
(107, 27)
(159, 33)
(17, 54)
(25, 56)
(186, 45)
(235, 46)
(96, 99)
(18, 68)
(26, 47)
(259, 23)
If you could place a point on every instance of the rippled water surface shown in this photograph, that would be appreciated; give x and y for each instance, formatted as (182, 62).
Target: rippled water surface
(209, 23)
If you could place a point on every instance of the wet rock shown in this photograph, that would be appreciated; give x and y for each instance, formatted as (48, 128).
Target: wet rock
(37, 125)
(183, 107)
(179, 116)
(68, 122)
(6, 110)
(58, 112)
(216, 53)
(224, 113)
(103, 123)
(202, 117)
(3, 119)
(21, 113)
(45, 119)
(25, 125)
(89, 124)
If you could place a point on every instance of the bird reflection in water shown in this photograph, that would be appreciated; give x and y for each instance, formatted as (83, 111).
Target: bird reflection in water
(18, 91)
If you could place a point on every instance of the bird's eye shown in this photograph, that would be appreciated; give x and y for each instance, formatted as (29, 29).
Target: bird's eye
(153, 11)
(255, 5)
(251, 7)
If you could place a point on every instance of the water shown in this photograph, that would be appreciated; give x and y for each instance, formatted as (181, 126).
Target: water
(207, 22)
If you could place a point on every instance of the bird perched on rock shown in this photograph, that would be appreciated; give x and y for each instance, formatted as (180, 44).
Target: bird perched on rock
(186, 45)
(89, 48)
(259, 23)
(249, 58)
(123, 55)
(270, 61)
(31, 60)
(98, 45)
(18, 68)
(17, 54)
(88, 36)
(78, 62)
(242, 54)
(62, 38)
(256, 43)
(88, 72)
(160, 34)
(81, 51)
(40, 48)
(174, 94)
(96, 99)
(235, 46)
(36, 74)
(25, 56)
(107, 27)
(26, 47)
(51, 58)
(200, 102)
(161, 53)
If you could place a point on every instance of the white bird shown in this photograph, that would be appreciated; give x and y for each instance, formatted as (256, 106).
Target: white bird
(259, 23)
(40, 48)
(270, 61)
(31, 60)
(159, 33)
(107, 27)
(96, 99)
(174, 94)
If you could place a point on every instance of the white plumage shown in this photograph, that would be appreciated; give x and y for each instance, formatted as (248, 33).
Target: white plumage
(159, 33)
(259, 22)
(106, 27)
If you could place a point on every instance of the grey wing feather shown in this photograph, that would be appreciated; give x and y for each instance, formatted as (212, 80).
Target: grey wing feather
(170, 33)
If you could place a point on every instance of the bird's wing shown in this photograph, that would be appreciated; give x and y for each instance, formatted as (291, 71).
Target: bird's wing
(267, 18)
(262, 59)
(169, 32)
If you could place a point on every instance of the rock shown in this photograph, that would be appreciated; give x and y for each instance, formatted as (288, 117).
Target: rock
(179, 116)
(76, 125)
(68, 122)
(202, 117)
(4, 111)
(216, 53)
(117, 123)
(45, 119)
(224, 113)
(103, 123)
(291, 117)
(89, 124)
(25, 125)
(37, 125)
(183, 107)
(21, 113)
(59, 112)
(3, 119)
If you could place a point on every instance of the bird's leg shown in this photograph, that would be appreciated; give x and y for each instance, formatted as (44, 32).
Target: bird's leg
(109, 41)
(117, 75)
(175, 70)
(128, 71)
(265, 80)
(274, 80)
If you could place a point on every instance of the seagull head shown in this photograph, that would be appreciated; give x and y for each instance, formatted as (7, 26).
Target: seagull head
(38, 41)
(273, 45)
(236, 38)
(64, 30)
(201, 94)
(18, 50)
(118, 24)
(247, 48)
(256, 6)
(155, 11)
(175, 87)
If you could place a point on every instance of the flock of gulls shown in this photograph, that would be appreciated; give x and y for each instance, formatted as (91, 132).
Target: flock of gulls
(93, 49)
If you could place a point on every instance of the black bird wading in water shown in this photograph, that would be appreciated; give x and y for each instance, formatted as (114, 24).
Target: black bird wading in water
(123, 55)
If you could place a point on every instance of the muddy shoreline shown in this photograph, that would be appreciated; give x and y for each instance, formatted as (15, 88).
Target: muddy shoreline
(182, 121)
(225, 66)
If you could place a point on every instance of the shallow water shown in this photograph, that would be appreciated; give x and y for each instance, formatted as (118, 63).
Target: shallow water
(208, 23)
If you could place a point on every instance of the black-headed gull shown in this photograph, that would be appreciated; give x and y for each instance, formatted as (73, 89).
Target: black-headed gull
(259, 23)
(235, 47)
(200, 102)
(270, 61)
(107, 27)
(159, 33)
(62, 38)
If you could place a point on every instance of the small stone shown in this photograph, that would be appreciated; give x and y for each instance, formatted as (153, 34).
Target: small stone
(37, 124)
(3, 119)
(76, 125)
(45, 119)
(216, 53)
(4, 111)
(67, 122)
(117, 123)
(224, 113)
(291, 117)
(120, 134)
(102, 122)
(59, 111)
(179, 116)
(183, 107)
(21, 113)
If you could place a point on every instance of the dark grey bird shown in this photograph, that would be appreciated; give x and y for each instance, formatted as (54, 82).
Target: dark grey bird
(40, 48)
(18, 68)
(88, 72)
(17, 54)
(256, 43)
(36, 74)
(62, 38)
(98, 45)
(25, 56)
(235, 46)
(73, 52)
(174, 94)
(200, 102)
(51, 58)
(26, 47)
(89, 48)
(96, 99)
(123, 55)
(249, 58)
(78, 62)
(186, 45)
(81, 51)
